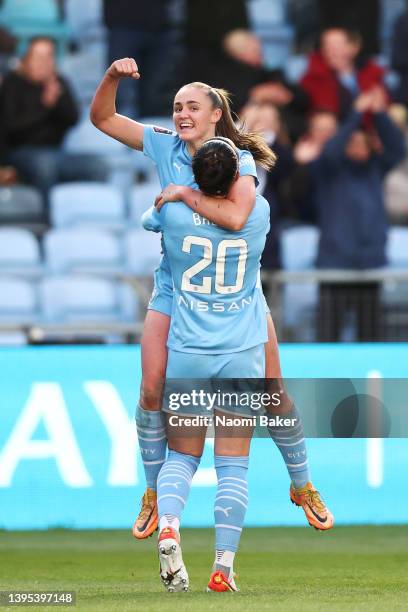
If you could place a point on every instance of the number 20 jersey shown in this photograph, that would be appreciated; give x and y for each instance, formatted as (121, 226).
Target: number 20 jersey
(218, 306)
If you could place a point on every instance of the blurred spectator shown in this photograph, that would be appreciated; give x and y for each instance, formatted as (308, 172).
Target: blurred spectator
(265, 119)
(348, 175)
(399, 56)
(362, 16)
(322, 126)
(337, 73)
(141, 31)
(222, 51)
(37, 109)
(396, 184)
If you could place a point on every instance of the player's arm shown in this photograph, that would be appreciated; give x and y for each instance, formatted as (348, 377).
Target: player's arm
(103, 109)
(230, 213)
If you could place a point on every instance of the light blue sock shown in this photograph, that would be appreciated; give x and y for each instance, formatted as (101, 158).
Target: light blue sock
(231, 501)
(291, 442)
(151, 433)
(173, 486)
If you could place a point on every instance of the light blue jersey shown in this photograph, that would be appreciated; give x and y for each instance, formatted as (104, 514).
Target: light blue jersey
(217, 303)
(173, 161)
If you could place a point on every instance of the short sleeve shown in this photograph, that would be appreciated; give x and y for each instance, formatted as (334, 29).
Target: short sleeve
(157, 142)
(247, 165)
(162, 296)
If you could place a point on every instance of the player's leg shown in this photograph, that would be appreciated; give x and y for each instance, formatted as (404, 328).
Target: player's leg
(291, 441)
(174, 482)
(150, 421)
(231, 456)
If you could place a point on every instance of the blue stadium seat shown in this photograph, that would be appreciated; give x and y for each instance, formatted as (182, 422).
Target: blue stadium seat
(95, 204)
(18, 301)
(81, 16)
(397, 247)
(299, 251)
(67, 299)
(19, 252)
(86, 138)
(299, 247)
(143, 250)
(83, 249)
(20, 204)
(141, 198)
(28, 18)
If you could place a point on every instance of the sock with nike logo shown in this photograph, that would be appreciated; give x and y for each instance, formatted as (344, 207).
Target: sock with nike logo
(173, 486)
(152, 438)
(230, 502)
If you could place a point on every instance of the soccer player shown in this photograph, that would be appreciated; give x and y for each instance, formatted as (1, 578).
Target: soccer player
(200, 112)
(218, 330)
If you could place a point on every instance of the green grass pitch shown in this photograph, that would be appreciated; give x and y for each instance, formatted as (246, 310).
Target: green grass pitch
(349, 568)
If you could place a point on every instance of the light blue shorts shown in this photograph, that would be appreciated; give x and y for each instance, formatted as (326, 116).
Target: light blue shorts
(197, 372)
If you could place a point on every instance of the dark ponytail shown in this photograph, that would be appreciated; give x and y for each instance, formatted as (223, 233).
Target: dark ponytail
(254, 143)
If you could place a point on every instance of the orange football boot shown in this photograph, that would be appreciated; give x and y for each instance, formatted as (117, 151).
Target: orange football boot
(317, 514)
(147, 521)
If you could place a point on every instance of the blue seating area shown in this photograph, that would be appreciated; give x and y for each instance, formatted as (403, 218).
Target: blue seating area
(28, 18)
(77, 271)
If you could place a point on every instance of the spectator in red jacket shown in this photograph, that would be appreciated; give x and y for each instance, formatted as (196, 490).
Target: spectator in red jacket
(337, 73)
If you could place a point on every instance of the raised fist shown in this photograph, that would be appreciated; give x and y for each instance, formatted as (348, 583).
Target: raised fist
(122, 68)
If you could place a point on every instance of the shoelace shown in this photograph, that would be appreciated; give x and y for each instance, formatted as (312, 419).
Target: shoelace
(146, 506)
(314, 499)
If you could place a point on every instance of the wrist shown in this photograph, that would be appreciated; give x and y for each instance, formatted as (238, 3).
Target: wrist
(111, 76)
(184, 193)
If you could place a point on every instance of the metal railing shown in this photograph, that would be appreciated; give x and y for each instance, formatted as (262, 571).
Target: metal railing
(339, 305)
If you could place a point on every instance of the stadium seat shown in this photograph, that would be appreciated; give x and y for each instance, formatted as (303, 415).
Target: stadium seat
(19, 252)
(81, 16)
(397, 247)
(28, 18)
(18, 301)
(20, 204)
(299, 250)
(82, 249)
(66, 299)
(299, 247)
(96, 204)
(265, 13)
(143, 250)
(86, 138)
(141, 198)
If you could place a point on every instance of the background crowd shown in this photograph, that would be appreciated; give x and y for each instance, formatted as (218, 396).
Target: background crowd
(325, 82)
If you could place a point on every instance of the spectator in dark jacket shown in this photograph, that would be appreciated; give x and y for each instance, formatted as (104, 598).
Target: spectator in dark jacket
(337, 73)
(348, 176)
(265, 119)
(399, 56)
(37, 109)
(141, 29)
(222, 51)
